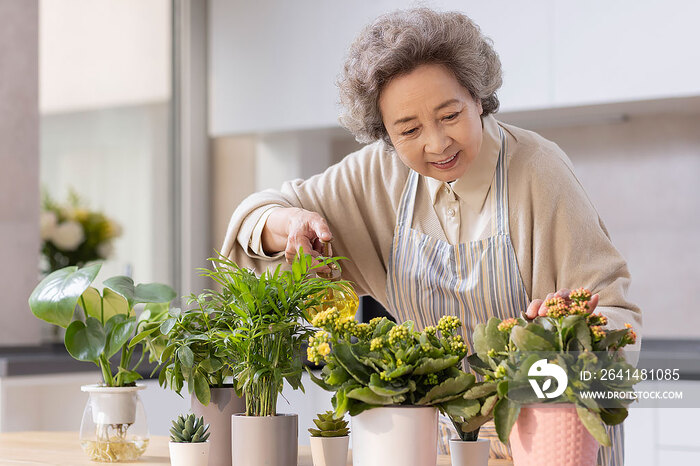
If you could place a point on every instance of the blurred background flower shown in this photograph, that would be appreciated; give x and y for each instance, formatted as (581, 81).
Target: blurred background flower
(71, 234)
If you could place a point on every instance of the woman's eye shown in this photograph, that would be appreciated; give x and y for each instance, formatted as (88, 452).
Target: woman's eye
(408, 132)
(452, 116)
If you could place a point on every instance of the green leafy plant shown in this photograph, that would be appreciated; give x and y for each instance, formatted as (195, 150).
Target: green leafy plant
(569, 336)
(100, 324)
(382, 363)
(266, 322)
(189, 429)
(191, 348)
(329, 426)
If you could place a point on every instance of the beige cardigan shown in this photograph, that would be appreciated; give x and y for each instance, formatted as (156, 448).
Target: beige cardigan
(559, 239)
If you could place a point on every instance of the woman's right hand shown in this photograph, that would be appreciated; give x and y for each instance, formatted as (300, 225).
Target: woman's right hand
(288, 229)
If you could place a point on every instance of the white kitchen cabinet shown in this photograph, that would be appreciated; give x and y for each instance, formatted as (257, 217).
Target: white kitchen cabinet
(625, 50)
(273, 65)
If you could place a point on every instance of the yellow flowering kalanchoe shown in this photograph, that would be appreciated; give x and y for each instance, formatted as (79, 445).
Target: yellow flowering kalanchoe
(398, 333)
(319, 347)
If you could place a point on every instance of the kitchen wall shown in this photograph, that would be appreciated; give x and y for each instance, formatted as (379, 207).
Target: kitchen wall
(642, 175)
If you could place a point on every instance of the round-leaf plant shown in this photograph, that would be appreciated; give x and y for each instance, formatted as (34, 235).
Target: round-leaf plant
(105, 322)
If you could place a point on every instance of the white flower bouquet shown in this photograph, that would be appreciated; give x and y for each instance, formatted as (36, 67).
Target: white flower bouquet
(73, 235)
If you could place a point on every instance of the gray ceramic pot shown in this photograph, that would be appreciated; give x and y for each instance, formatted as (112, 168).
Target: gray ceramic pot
(264, 440)
(224, 403)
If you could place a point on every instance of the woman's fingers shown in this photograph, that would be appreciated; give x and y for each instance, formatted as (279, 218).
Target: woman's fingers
(537, 306)
(533, 308)
(307, 231)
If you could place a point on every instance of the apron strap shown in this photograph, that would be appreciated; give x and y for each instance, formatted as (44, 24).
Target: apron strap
(408, 201)
(501, 187)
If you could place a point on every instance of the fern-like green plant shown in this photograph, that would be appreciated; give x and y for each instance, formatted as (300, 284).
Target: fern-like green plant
(189, 429)
(329, 426)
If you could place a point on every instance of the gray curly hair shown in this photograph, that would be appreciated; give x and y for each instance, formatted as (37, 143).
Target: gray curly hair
(395, 44)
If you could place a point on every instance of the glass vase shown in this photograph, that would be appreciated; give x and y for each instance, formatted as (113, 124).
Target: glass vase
(114, 427)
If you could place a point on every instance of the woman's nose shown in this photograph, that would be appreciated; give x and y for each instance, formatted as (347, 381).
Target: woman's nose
(437, 141)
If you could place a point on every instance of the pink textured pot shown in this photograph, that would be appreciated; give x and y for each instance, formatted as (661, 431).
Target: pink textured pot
(551, 435)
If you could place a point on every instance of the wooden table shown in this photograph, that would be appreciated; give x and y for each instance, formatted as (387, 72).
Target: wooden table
(63, 449)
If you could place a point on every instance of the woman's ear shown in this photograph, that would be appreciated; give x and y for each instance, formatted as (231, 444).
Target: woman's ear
(478, 105)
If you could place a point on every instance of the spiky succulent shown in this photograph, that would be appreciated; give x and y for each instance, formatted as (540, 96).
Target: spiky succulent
(189, 429)
(329, 426)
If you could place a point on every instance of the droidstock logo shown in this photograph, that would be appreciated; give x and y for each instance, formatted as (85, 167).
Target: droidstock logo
(544, 369)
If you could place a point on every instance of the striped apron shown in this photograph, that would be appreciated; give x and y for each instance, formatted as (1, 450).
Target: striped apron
(429, 278)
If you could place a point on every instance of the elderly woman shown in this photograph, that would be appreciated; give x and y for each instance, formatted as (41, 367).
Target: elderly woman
(446, 210)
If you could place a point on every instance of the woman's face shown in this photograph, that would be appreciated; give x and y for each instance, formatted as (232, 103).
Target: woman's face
(433, 122)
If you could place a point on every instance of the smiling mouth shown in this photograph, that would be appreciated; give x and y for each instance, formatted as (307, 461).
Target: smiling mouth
(446, 161)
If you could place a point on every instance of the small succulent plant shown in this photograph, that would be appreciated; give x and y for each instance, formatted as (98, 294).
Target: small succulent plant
(189, 429)
(329, 426)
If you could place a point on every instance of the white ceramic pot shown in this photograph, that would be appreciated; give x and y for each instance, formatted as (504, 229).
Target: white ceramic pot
(264, 440)
(329, 451)
(113, 405)
(396, 435)
(189, 454)
(474, 453)
(224, 404)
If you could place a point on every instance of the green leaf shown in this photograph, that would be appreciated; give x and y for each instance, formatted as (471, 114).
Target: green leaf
(167, 326)
(495, 339)
(429, 365)
(85, 342)
(142, 336)
(480, 390)
(527, 340)
(55, 298)
(480, 344)
(201, 389)
(368, 396)
(153, 293)
(489, 404)
(505, 413)
(113, 304)
(462, 408)
(211, 365)
(349, 362)
(186, 356)
(337, 376)
(448, 390)
(378, 386)
(129, 376)
(118, 330)
(123, 286)
(142, 293)
(593, 423)
(613, 416)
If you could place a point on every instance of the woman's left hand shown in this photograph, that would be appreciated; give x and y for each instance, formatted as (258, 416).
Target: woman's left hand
(537, 307)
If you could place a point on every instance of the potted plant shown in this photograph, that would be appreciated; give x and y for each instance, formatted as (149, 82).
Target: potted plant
(191, 352)
(189, 444)
(404, 376)
(569, 346)
(329, 441)
(100, 324)
(267, 327)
